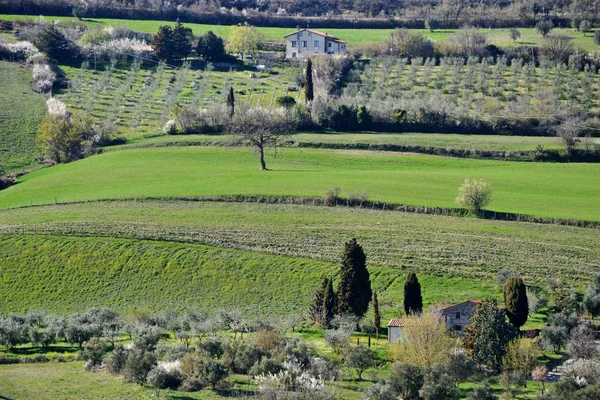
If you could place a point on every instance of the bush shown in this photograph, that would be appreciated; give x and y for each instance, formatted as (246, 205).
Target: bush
(66, 139)
(286, 101)
(265, 366)
(93, 350)
(56, 46)
(474, 195)
(116, 361)
(557, 48)
(332, 196)
(137, 365)
(406, 379)
(156, 378)
(269, 340)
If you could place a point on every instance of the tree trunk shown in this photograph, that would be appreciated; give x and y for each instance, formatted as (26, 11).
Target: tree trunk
(262, 159)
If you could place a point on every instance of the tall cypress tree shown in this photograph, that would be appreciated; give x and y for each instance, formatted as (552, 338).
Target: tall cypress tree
(309, 91)
(230, 103)
(329, 304)
(316, 308)
(354, 288)
(376, 314)
(515, 301)
(413, 301)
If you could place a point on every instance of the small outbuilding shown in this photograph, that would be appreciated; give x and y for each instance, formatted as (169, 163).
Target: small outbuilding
(395, 328)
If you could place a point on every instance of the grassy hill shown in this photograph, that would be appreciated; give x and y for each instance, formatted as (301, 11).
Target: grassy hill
(435, 245)
(548, 190)
(20, 115)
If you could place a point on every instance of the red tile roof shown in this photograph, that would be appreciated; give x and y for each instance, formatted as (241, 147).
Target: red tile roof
(396, 322)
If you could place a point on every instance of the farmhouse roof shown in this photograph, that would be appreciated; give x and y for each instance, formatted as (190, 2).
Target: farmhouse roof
(327, 36)
(396, 322)
(476, 301)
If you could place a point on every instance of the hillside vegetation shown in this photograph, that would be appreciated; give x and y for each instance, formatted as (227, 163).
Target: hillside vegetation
(21, 113)
(538, 189)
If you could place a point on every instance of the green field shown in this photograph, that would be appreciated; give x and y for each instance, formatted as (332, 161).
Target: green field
(435, 245)
(356, 37)
(547, 190)
(444, 140)
(21, 113)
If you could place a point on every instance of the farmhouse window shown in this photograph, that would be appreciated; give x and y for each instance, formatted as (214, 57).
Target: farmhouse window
(304, 43)
(294, 54)
(317, 44)
(457, 328)
(457, 315)
(294, 43)
(329, 44)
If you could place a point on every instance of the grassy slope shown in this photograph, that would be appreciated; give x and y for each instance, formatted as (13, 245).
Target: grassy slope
(436, 245)
(550, 190)
(66, 274)
(20, 115)
(470, 142)
(500, 37)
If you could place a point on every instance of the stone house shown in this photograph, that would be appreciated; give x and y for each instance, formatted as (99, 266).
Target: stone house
(395, 328)
(307, 42)
(457, 316)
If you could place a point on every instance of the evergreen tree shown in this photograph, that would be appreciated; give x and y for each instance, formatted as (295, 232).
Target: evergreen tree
(182, 46)
(316, 309)
(210, 46)
(329, 304)
(515, 301)
(354, 289)
(413, 301)
(591, 299)
(376, 314)
(309, 90)
(162, 43)
(231, 103)
(54, 44)
(487, 336)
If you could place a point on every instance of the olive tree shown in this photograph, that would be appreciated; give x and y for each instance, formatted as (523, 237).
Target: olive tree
(474, 195)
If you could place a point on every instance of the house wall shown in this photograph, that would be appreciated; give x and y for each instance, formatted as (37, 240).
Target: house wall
(394, 334)
(465, 311)
(310, 48)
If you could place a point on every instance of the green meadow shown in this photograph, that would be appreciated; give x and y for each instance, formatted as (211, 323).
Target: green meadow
(20, 114)
(539, 189)
(356, 37)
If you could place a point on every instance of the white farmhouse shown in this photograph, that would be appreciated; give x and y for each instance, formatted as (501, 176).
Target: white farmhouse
(306, 42)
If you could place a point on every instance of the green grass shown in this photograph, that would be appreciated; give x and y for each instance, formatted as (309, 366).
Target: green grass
(546, 190)
(20, 115)
(444, 140)
(468, 249)
(67, 274)
(499, 37)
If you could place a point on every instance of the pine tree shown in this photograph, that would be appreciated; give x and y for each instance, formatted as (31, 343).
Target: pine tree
(162, 43)
(309, 93)
(182, 46)
(354, 288)
(231, 103)
(329, 305)
(210, 46)
(376, 314)
(315, 313)
(515, 301)
(413, 302)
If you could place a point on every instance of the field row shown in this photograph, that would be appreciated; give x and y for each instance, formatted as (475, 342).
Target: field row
(435, 245)
(538, 189)
(355, 37)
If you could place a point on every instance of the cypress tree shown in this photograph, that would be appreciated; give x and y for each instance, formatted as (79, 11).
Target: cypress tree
(376, 314)
(413, 302)
(231, 103)
(316, 308)
(329, 303)
(515, 301)
(354, 288)
(309, 92)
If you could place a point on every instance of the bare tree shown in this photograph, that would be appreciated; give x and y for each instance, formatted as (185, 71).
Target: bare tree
(260, 128)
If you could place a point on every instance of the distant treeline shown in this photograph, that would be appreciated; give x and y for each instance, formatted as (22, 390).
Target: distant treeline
(330, 14)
